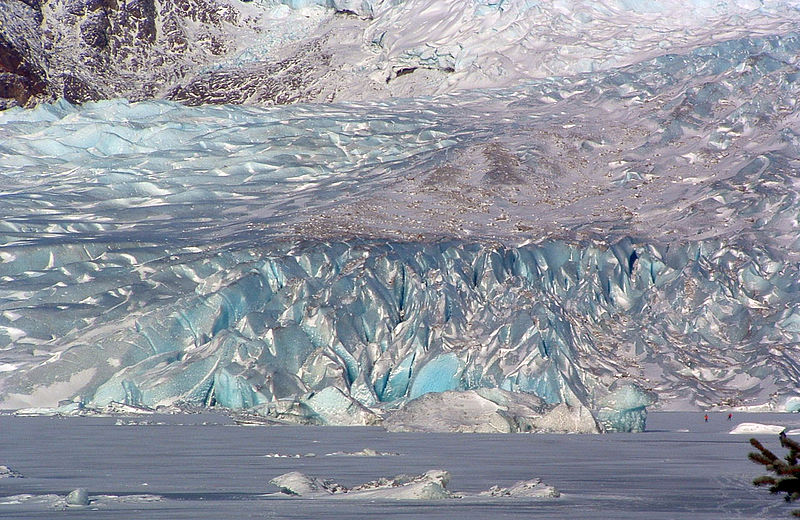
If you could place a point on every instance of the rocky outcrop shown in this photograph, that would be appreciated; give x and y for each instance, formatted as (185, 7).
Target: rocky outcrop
(22, 71)
(84, 50)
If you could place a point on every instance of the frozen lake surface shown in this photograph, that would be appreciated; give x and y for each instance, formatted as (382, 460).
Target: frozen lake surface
(205, 466)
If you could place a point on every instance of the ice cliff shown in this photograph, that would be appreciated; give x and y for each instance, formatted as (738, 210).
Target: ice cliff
(573, 244)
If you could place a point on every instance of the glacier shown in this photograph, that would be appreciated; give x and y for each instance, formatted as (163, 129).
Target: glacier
(562, 249)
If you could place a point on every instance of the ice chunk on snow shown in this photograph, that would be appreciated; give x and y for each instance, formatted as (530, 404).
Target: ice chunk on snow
(533, 488)
(366, 452)
(6, 472)
(566, 418)
(78, 497)
(59, 502)
(431, 485)
(298, 484)
(748, 428)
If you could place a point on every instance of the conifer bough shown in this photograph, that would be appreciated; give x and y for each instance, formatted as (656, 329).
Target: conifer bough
(787, 470)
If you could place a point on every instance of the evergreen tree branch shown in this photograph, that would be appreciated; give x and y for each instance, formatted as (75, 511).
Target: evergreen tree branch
(788, 471)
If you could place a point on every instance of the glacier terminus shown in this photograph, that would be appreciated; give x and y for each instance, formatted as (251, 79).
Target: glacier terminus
(542, 216)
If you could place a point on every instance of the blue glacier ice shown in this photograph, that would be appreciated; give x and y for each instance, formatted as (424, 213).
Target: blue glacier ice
(624, 409)
(331, 263)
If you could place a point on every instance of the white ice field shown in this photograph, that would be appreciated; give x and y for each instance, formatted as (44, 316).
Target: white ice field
(204, 466)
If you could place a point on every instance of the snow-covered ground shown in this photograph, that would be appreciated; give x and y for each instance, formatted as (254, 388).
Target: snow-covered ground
(203, 466)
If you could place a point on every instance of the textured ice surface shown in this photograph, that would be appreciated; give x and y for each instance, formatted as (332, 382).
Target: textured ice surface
(490, 43)
(624, 409)
(323, 263)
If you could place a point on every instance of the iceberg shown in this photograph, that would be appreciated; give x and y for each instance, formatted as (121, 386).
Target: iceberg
(298, 484)
(624, 409)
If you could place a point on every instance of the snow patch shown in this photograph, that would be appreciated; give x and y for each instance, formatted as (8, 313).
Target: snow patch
(748, 428)
(49, 395)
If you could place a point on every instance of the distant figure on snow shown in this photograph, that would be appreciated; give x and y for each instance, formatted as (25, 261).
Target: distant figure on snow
(706, 417)
(730, 416)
